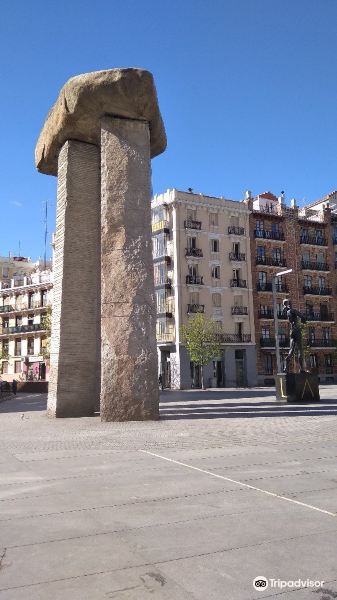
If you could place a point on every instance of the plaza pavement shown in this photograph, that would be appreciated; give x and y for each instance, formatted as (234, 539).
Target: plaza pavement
(227, 486)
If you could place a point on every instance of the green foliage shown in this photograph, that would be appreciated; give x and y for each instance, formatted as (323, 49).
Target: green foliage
(46, 322)
(201, 339)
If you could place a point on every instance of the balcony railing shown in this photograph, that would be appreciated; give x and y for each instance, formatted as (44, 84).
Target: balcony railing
(194, 280)
(237, 256)
(165, 337)
(6, 308)
(268, 287)
(195, 308)
(270, 342)
(196, 252)
(239, 310)
(22, 328)
(317, 316)
(269, 314)
(240, 283)
(322, 343)
(232, 229)
(235, 338)
(160, 226)
(315, 240)
(166, 282)
(314, 266)
(270, 261)
(269, 235)
(317, 291)
(189, 224)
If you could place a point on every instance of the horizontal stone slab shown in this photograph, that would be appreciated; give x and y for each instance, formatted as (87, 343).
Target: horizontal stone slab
(86, 98)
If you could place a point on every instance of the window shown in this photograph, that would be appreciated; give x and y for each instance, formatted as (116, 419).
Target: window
(159, 247)
(216, 299)
(216, 272)
(311, 334)
(307, 281)
(262, 280)
(234, 221)
(236, 248)
(321, 283)
(30, 299)
(44, 297)
(276, 254)
(304, 233)
(30, 346)
(280, 286)
(319, 234)
(191, 242)
(18, 321)
(261, 252)
(194, 298)
(17, 366)
(328, 363)
(268, 364)
(313, 361)
(193, 270)
(30, 319)
(264, 309)
(215, 246)
(161, 298)
(213, 219)
(191, 214)
(18, 347)
(160, 273)
(265, 333)
(236, 274)
(4, 366)
(5, 322)
(5, 346)
(326, 334)
(259, 225)
(275, 228)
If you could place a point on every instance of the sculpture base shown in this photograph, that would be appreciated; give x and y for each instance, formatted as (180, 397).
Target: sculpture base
(297, 387)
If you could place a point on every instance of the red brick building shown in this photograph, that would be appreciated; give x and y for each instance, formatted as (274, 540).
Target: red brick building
(304, 240)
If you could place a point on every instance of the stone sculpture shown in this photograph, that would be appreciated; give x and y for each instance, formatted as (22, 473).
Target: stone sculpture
(99, 139)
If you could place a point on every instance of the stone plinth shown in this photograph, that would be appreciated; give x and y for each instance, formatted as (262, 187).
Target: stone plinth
(297, 387)
(129, 351)
(119, 149)
(75, 338)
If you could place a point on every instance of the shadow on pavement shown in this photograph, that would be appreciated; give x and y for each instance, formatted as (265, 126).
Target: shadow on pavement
(24, 403)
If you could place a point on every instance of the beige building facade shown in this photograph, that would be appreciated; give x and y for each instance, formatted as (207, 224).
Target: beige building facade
(25, 295)
(201, 255)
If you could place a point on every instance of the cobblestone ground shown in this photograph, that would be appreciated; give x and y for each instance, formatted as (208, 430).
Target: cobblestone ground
(226, 487)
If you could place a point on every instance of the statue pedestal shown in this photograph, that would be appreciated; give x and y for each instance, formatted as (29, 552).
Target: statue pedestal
(297, 387)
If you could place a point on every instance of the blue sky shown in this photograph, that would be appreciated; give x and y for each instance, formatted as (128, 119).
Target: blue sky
(247, 90)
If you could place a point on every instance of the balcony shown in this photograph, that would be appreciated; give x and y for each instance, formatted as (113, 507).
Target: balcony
(195, 308)
(239, 310)
(322, 343)
(22, 329)
(189, 224)
(269, 314)
(270, 343)
(195, 252)
(165, 337)
(314, 266)
(239, 256)
(238, 283)
(317, 291)
(235, 338)
(270, 261)
(36, 279)
(269, 235)
(7, 308)
(268, 287)
(194, 280)
(166, 283)
(160, 227)
(318, 316)
(314, 240)
(232, 230)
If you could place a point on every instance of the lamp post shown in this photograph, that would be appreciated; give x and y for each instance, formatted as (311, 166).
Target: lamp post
(277, 343)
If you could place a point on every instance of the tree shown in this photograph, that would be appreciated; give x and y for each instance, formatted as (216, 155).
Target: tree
(201, 339)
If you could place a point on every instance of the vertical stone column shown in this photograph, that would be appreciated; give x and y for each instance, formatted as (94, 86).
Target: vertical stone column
(129, 387)
(75, 339)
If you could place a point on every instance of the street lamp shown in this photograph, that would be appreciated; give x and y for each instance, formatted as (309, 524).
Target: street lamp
(277, 343)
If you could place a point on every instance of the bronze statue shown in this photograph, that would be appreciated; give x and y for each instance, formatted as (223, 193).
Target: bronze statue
(296, 343)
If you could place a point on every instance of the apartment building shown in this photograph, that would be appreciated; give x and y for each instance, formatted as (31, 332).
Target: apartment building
(201, 254)
(304, 240)
(25, 295)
